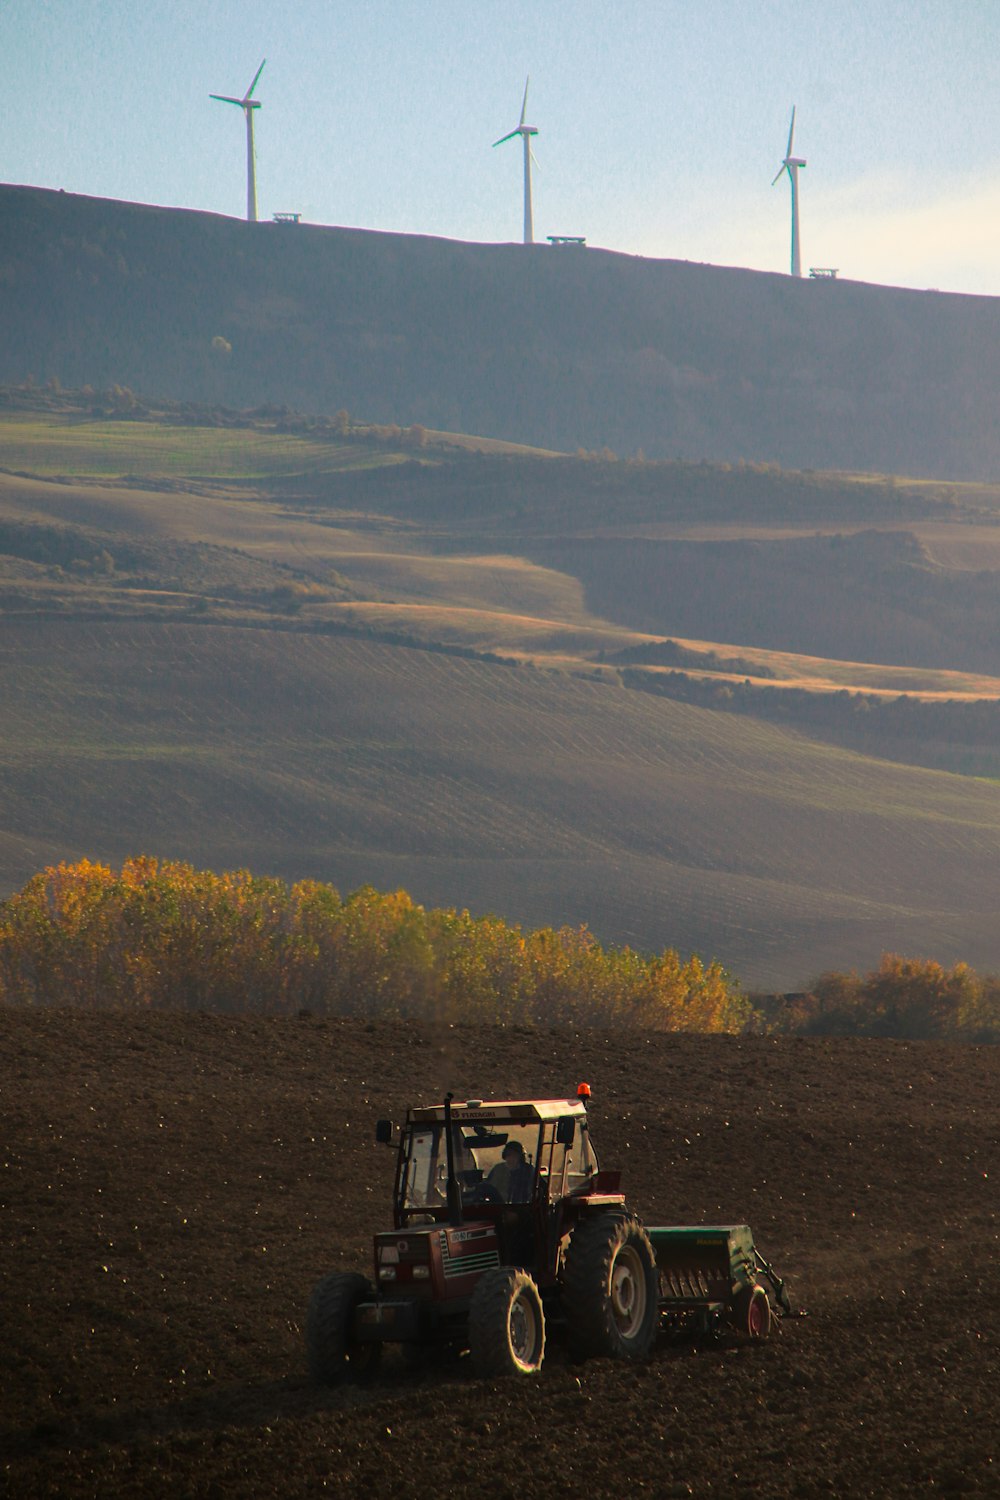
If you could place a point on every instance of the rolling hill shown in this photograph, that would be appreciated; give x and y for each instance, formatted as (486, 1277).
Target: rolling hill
(322, 654)
(556, 348)
(472, 783)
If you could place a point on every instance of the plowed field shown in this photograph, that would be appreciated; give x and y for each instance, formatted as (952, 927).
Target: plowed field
(172, 1187)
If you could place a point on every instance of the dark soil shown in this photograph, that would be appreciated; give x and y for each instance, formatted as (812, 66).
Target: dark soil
(172, 1187)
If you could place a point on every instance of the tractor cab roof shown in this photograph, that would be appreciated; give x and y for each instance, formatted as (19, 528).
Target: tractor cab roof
(502, 1109)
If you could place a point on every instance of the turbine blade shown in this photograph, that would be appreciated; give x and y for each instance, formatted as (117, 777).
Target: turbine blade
(255, 77)
(227, 99)
(781, 172)
(791, 132)
(506, 137)
(534, 160)
(524, 101)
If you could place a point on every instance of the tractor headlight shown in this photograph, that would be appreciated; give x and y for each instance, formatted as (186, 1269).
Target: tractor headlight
(421, 1273)
(387, 1273)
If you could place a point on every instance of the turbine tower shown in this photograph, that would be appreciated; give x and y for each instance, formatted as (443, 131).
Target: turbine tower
(525, 132)
(791, 165)
(248, 104)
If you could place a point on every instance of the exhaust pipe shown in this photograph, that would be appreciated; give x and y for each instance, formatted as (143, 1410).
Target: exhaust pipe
(453, 1188)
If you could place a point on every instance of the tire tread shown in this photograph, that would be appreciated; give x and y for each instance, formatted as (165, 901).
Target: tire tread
(489, 1310)
(328, 1320)
(591, 1327)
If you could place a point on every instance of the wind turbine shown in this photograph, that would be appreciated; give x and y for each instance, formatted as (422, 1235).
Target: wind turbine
(248, 104)
(791, 165)
(525, 132)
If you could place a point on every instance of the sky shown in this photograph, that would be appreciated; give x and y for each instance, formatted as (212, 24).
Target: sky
(661, 122)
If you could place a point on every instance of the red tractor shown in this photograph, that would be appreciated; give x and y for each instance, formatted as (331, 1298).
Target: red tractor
(505, 1228)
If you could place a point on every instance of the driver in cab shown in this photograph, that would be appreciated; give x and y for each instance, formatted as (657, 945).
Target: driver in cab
(513, 1176)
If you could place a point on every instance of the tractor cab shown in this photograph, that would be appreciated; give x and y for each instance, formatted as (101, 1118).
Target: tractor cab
(507, 1153)
(481, 1185)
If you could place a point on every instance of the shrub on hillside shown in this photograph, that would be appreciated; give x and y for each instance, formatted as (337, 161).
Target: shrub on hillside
(164, 936)
(913, 998)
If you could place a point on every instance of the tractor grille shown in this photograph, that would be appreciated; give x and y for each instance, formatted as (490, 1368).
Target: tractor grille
(467, 1265)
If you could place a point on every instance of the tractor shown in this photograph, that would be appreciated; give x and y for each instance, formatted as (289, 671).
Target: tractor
(507, 1229)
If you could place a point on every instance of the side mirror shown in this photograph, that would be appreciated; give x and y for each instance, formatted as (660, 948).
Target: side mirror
(383, 1132)
(565, 1132)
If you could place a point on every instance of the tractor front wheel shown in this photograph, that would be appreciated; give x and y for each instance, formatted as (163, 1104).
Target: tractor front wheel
(334, 1354)
(610, 1289)
(506, 1324)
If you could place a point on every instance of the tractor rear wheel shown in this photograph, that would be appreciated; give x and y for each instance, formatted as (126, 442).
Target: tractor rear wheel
(611, 1289)
(751, 1313)
(334, 1354)
(506, 1324)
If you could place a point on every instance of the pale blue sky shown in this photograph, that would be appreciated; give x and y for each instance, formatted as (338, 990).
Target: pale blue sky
(661, 122)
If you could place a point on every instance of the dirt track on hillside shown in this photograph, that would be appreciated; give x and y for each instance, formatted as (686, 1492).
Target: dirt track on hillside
(172, 1188)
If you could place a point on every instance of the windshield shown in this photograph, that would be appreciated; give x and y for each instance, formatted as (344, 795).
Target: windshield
(494, 1163)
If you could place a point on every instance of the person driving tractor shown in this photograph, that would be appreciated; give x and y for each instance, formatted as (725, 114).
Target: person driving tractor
(513, 1176)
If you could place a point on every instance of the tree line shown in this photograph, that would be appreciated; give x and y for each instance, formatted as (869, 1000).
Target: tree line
(913, 999)
(161, 935)
(164, 936)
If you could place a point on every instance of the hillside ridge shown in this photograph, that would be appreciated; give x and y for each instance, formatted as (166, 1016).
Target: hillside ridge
(553, 348)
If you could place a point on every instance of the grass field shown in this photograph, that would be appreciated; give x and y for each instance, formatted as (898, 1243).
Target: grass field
(82, 447)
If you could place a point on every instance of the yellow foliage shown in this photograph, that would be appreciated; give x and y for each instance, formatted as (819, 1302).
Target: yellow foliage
(162, 935)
